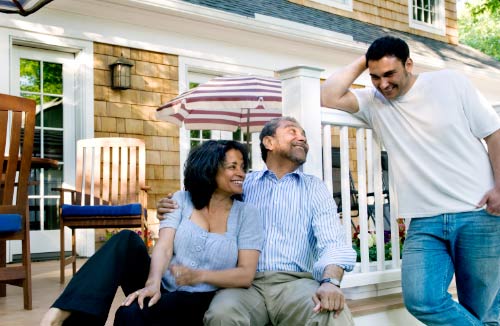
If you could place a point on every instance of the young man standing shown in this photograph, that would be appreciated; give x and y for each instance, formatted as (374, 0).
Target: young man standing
(432, 125)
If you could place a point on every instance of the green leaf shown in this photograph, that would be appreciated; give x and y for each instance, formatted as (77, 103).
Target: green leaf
(479, 26)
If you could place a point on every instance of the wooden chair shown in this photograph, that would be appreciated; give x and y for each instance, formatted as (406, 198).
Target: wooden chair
(110, 190)
(17, 129)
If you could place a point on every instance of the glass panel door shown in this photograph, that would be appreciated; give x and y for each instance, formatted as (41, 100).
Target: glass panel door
(48, 78)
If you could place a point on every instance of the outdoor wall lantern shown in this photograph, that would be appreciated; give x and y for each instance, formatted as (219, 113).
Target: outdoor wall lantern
(21, 7)
(120, 73)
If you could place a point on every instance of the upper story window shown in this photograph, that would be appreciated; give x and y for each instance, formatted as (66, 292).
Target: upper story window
(427, 15)
(341, 4)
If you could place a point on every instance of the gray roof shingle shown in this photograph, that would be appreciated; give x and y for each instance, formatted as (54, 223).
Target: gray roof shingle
(360, 31)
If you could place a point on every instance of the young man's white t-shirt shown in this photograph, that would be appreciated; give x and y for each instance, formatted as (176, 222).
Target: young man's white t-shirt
(432, 135)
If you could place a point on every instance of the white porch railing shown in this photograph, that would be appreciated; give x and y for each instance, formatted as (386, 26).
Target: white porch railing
(368, 278)
(301, 99)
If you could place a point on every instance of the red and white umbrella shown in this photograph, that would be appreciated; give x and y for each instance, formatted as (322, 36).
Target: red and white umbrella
(226, 103)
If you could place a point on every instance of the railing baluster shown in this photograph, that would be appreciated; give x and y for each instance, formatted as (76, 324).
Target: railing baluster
(327, 157)
(369, 165)
(344, 181)
(369, 173)
(396, 260)
(362, 204)
(379, 203)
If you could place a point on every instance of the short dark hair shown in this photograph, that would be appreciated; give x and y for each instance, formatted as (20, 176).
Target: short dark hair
(202, 165)
(388, 46)
(270, 130)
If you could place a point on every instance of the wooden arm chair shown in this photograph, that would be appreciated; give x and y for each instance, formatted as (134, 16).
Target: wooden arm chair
(17, 129)
(110, 190)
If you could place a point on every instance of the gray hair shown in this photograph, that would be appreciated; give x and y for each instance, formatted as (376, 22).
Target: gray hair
(270, 130)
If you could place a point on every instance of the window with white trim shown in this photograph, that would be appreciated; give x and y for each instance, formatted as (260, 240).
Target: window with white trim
(341, 4)
(427, 15)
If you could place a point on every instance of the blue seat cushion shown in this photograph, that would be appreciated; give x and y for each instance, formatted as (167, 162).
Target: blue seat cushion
(10, 222)
(102, 210)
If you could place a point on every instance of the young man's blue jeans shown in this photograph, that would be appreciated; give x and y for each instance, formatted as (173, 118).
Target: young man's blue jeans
(467, 244)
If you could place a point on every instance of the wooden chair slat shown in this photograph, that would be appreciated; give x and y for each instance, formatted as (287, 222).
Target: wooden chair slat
(124, 165)
(4, 116)
(106, 173)
(115, 174)
(115, 181)
(132, 184)
(96, 194)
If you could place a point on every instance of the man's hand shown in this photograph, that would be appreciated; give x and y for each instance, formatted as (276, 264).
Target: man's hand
(492, 201)
(329, 297)
(492, 198)
(184, 275)
(165, 205)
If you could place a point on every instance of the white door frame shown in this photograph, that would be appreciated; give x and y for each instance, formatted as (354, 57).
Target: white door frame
(83, 95)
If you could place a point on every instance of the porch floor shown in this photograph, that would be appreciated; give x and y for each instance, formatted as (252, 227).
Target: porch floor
(46, 288)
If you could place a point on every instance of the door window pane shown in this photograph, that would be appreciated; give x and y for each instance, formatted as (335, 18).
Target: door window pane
(53, 111)
(34, 209)
(37, 150)
(52, 78)
(51, 220)
(53, 179)
(53, 145)
(29, 77)
(34, 188)
(36, 98)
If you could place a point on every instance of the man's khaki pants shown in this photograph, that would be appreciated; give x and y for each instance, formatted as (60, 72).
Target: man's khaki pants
(277, 298)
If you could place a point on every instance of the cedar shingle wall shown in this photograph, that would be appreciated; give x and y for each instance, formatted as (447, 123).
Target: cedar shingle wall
(391, 14)
(131, 112)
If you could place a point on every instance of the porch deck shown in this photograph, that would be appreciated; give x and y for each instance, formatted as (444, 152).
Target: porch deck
(46, 288)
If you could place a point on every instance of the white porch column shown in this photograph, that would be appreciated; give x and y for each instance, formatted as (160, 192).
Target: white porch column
(301, 100)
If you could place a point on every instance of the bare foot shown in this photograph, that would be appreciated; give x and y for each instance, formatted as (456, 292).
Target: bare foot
(54, 317)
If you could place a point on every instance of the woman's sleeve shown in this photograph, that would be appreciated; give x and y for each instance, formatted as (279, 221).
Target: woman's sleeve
(172, 220)
(251, 231)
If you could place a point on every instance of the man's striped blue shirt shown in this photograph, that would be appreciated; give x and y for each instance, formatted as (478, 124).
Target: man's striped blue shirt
(303, 232)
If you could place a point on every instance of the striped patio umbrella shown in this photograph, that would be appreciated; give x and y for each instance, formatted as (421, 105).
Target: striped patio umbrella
(226, 103)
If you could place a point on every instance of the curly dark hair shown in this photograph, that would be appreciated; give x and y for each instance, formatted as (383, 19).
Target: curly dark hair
(201, 168)
(388, 46)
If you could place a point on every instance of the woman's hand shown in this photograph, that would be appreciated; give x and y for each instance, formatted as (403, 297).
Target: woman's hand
(160, 258)
(185, 276)
(149, 291)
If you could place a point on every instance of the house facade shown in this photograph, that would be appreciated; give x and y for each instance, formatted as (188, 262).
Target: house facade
(175, 45)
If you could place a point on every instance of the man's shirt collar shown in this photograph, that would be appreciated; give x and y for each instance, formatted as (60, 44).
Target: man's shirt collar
(266, 172)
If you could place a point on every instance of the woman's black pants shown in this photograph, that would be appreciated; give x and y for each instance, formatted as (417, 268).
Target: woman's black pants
(124, 261)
